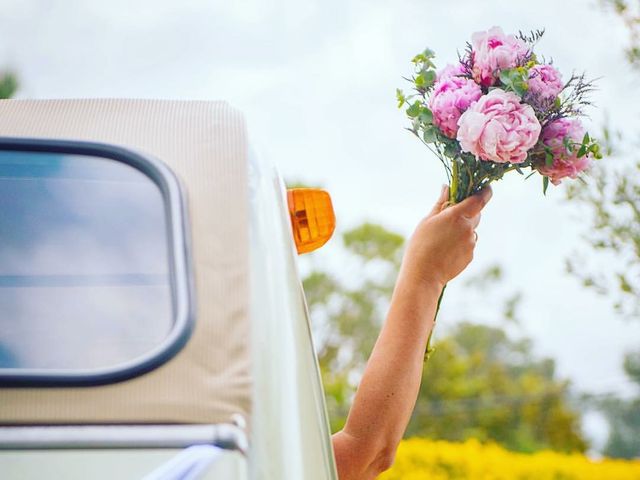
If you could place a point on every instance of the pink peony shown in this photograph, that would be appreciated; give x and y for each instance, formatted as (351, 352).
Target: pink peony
(451, 96)
(545, 82)
(450, 71)
(565, 163)
(493, 51)
(499, 128)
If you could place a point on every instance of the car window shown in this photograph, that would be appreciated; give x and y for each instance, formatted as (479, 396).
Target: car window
(85, 277)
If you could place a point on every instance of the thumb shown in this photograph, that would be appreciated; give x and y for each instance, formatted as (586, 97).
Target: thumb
(471, 206)
(441, 202)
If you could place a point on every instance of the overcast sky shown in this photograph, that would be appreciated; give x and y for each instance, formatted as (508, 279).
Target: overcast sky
(317, 81)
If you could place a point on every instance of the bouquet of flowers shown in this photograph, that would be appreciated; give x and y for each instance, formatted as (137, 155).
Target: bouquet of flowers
(499, 109)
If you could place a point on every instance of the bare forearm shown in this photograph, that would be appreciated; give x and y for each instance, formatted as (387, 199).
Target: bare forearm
(440, 248)
(387, 393)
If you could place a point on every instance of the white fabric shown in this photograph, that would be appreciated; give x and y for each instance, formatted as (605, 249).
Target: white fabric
(189, 464)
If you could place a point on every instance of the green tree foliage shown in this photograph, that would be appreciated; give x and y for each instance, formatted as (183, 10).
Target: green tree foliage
(624, 416)
(612, 200)
(8, 85)
(354, 313)
(478, 383)
(630, 15)
(482, 384)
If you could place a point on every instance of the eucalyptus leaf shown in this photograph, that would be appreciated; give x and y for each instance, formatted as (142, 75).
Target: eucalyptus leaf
(400, 97)
(450, 150)
(582, 151)
(545, 184)
(429, 77)
(430, 134)
(548, 158)
(426, 116)
(414, 110)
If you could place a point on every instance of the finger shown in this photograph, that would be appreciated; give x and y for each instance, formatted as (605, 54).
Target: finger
(442, 200)
(475, 221)
(470, 207)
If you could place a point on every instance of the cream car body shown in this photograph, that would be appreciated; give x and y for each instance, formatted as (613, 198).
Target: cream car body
(247, 379)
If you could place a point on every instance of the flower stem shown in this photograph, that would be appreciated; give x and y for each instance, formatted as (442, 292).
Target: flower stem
(429, 349)
(453, 188)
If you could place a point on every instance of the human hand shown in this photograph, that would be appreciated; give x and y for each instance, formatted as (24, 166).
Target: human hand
(443, 242)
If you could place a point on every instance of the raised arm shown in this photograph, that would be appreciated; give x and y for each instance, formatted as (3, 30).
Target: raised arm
(440, 248)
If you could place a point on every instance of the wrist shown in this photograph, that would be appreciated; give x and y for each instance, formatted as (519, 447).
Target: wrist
(422, 279)
(414, 302)
(420, 285)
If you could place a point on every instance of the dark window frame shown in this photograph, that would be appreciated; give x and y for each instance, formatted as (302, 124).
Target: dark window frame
(181, 270)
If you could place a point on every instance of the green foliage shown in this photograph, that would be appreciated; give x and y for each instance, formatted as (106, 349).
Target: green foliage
(611, 201)
(422, 80)
(296, 183)
(400, 97)
(478, 383)
(425, 73)
(353, 313)
(545, 184)
(632, 367)
(486, 278)
(589, 145)
(624, 424)
(624, 416)
(515, 80)
(612, 233)
(482, 384)
(371, 241)
(630, 15)
(319, 287)
(414, 110)
(8, 85)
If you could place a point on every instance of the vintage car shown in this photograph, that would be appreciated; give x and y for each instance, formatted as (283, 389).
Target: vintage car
(153, 323)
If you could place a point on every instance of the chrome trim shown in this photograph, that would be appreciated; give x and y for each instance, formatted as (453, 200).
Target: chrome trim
(223, 435)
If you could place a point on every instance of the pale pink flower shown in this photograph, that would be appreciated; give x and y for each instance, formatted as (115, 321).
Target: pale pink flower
(565, 163)
(493, 51)
(499, 128)
(451, 96)
(545, 82)
(450, 71)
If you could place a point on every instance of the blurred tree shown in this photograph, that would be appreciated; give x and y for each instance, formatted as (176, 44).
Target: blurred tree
(612, 198)
(630, 15)
(624, 417)
(479, 383)
(482, 384)
(8, 85)
(352, 314)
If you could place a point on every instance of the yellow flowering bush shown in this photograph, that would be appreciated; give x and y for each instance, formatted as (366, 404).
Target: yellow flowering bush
(422, 459)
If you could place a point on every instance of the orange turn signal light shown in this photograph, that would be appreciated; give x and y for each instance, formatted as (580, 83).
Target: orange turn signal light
(312, 217)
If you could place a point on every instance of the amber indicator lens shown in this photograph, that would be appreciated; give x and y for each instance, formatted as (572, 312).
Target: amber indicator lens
(312, 217)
